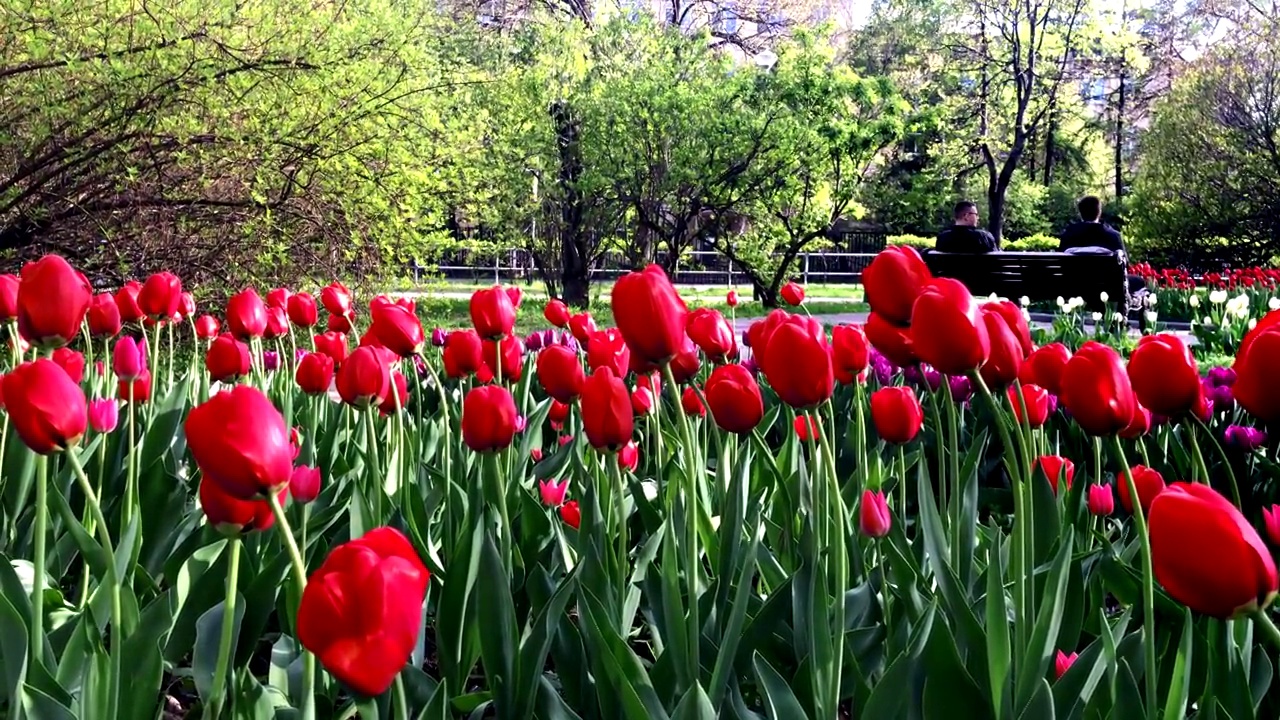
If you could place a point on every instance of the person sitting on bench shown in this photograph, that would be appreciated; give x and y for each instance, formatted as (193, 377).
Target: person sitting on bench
(965, 236)
(1092, 236)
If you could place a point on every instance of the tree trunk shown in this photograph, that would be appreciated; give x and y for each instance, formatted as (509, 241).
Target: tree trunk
(1119, 169)
(995, 209)
(575, 246)
(1050, 147)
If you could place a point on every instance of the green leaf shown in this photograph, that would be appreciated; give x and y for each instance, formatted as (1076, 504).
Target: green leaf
(997, 617)
(626, 674)
(497, 627)
(695, 705)
(1041, 705)
(1175, 705)
(204, 656)
(537, 643)
(949, 689)
(1044, 636)
(780, 701)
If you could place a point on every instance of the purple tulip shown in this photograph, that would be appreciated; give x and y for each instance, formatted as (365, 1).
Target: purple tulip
(932, 377)
(884, 370)
(961, 388)
(1221, 377)
(1053, 403)
(271, 360)
(419, 365)
(438, 336)
(1245, 437)
(534, 341)
(298, 354)
(746, 339)
(1221, 398)
(751, 366)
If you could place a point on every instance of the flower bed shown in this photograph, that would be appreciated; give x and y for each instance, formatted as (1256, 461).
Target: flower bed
(326, 512)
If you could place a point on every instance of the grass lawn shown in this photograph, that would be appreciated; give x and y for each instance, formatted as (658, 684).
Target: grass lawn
(600, 290)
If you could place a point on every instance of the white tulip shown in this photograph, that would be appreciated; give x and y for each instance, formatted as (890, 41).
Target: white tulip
(1061, 302)
(1151, 300)
(1273, 303)
(1119, 318)
(1194, 301)
(1027, 301)
(1207, 320)
(1103, 296)
(1217, 297)
(1097, 317)
(1253, 323)
(1151, 316)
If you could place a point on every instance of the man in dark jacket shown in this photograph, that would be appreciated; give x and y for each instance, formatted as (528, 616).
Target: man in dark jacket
(965, 236)
(1090, 232)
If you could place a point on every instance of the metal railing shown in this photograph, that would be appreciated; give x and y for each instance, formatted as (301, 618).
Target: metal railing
(694, 268)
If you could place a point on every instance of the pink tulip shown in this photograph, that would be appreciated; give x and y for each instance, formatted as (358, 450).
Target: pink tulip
(104, 415)
(1101, 500)
(553, 492)
(304, 484)
(873, 514)
(1062, 663)
(1271, 517)
(129, 360)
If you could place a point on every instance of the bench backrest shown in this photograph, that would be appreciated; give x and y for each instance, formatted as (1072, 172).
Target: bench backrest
(1036, 275)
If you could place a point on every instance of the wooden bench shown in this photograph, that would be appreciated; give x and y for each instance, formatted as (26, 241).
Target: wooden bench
(1041, 276)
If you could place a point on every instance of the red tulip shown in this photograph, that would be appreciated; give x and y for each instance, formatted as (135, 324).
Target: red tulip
(187, 306)
(127, 301)
(734, 398)
(1102, 501)
(1206, 555)
(642, 401)
(849, 353)
(161, 296)
(629, 456)
(650, 314)
(240, 441)
(304, 484)
(136, 391)
(1139, 423)
(278, 298)
(1016, 320)
(361, 611)
(492, 313)
(893, 281)
(336, 298)
(709, 330)
(792, 294)
(512, 359)
(874, 519)
(582, 326)
(893, 341)
(246, 315)
(1096, 390)
(52, 301)
(1256, 388)
(302, 310)
(684, 365)
(332, 344)
(515, 295)
(315, 373)
(797, 363)
(560, 373)
(129, 359)
(103, 316)
(691, 403)
(1036, 399)
(1057, 469)
(1006, 356)
(557, 413)
(759, 332)
(338, 324)
(607, 348)
(896, 413)
(807, 428)
(731, 298)
(947, 330)
(70, 361)
(556, 313)
(104, 415)
(1271, 521)
(463, 353)
(488, 418)
(207, 327)
(571, 514)
(277, 323)
(398, 329)
(1148, 483)
(1164, 376)
(227, 359)
(8, 298)
(47, 408)
(231, 515)
(1044, 367)
(397, 395)
(364, 378)
(1062, 663)
(606, 411)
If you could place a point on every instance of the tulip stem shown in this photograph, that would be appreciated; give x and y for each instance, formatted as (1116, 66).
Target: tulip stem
(444, 414)
(228, 625)
(37, 580)
(300, 578)
(615, 476)
(117, 606)
(1150, 673)
(1263, 622)
(1226, 461)
(398, 695)
(838, 563)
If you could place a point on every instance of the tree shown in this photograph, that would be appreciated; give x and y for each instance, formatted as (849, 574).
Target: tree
(1208, 192)
(227, 143)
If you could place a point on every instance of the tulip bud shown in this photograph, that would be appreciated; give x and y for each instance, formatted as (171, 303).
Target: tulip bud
(438, 337)
(304, 484)
(104, 415)
(8, 298)
(792, 294)
(53, 299)
(492, 313)
(807, 428)
(1271, 520)
(240, 441)
(129, 360)
(582, 326)
(47, 409)
(161, 296)
(127, 301)
(850, 353)
(734, 398)
(556, 313)
(246, 315)
(364, 378)
(1062, 663)
(560, 373)
(227, 359)
(103, 316)
(571, 515)
(731, 298)
(233, 516)
(692, 404)
(1146, 481)
(1036, 401)
(893, 281)
(650, 314)
(336, 298)
(873, 514)
(896, 414)
(1102, 501)
(207, 327)
(1246, 438)
(488, 418)
(629, 456)
(1057, 469)
(70, 361)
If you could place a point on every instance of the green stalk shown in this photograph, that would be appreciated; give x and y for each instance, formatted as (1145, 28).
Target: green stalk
(131, 479)
(1148, 581)
(300, 579)
(117, 611)
(398, 696)
(694, 626)
(228, 625)
(1263, 622)
(444, 413)
(497, 491)
(1226, 461)
(615, 475)
(837, 562)
(37, 584)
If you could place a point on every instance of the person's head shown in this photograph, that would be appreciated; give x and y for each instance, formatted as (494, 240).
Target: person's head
(1090, 208)
(966, 213)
